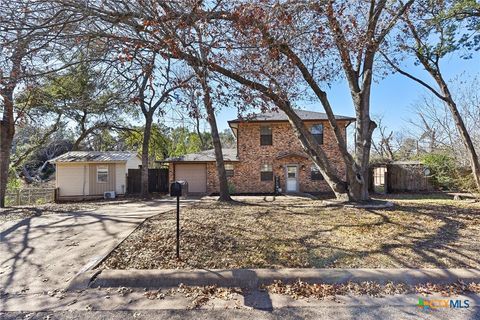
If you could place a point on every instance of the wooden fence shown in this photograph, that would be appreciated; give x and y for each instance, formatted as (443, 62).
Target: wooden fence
(157, 180)
(407, 176)
(31, 196)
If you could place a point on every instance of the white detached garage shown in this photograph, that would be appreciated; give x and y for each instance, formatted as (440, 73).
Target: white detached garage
(89, 174)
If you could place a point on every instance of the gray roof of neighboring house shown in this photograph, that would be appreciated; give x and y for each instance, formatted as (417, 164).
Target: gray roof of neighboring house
(281, 116)
(94, 156)
(204, 156)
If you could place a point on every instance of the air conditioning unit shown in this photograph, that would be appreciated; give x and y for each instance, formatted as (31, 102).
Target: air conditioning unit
(109, 195)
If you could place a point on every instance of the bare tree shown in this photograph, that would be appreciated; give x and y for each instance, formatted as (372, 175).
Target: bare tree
(432, 37)
(153, 79)
(266, 29)
(435, 124)
(28, 31)
(283, 37)
(383, 144)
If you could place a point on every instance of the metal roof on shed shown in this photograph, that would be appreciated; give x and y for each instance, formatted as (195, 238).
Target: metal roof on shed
(94, 156)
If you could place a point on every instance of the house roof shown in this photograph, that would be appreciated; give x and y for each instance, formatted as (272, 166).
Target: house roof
(281, 116)
(204, 156)
(94, 156)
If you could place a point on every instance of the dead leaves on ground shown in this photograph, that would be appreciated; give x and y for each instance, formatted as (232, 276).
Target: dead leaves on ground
(202, 295)
(304, 290)
(304, 234)
(199, 295)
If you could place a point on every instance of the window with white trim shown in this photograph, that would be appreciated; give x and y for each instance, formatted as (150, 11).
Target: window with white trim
(102, 174)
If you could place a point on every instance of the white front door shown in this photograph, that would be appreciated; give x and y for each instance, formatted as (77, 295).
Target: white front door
(292, 176)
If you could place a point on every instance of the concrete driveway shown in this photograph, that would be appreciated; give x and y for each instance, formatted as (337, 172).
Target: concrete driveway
(40, 255)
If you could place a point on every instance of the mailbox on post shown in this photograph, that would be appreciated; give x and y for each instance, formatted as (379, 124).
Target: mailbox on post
(175, 189)
(178, 189)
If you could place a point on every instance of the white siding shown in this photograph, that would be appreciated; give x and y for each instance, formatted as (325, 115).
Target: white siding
(133, 163)
(120, 179)
(72, 179)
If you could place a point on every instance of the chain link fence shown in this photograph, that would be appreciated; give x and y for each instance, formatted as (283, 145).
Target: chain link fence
(31, 196)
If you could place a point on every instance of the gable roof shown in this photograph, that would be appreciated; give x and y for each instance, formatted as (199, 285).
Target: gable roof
(281, 116)
(94, 156)
(204, 156)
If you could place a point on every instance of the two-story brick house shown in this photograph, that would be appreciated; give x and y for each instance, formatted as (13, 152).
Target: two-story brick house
(268, 156)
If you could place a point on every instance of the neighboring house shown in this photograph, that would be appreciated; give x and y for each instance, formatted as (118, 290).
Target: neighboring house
(88, 174)
(268, 153)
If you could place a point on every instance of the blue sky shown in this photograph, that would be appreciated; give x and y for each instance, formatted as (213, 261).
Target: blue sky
(392, 97)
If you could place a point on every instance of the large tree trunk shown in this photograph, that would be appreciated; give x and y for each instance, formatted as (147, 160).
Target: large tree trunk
(222, 176)
(358, 172)
(7, 131)
(147, 131)
(358, 169)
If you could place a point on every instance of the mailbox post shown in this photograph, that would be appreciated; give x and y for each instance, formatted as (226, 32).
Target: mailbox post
(176, 189)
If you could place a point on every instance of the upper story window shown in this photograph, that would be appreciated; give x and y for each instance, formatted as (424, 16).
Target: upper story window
(315, 173)
(317, 132)
(266, 172)
(265, 135)
(102, 174)
(229, 169)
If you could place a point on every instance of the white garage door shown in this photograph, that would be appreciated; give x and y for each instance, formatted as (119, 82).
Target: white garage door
(194, 174)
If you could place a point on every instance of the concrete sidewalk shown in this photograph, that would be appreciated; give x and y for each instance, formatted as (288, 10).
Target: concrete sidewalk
(42, 254)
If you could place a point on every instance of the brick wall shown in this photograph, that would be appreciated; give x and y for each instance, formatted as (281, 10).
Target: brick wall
(252, 155)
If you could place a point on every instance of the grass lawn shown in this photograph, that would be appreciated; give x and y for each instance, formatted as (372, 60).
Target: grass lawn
(295, 232)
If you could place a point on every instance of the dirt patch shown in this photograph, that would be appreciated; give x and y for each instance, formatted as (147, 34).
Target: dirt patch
(296, 233)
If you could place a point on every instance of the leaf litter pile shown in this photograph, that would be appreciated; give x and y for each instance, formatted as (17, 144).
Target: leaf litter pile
(290, 232)
(199, 295)
(304, 290)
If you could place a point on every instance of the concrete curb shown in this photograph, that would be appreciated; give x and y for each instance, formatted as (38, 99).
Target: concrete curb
(253, 278)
